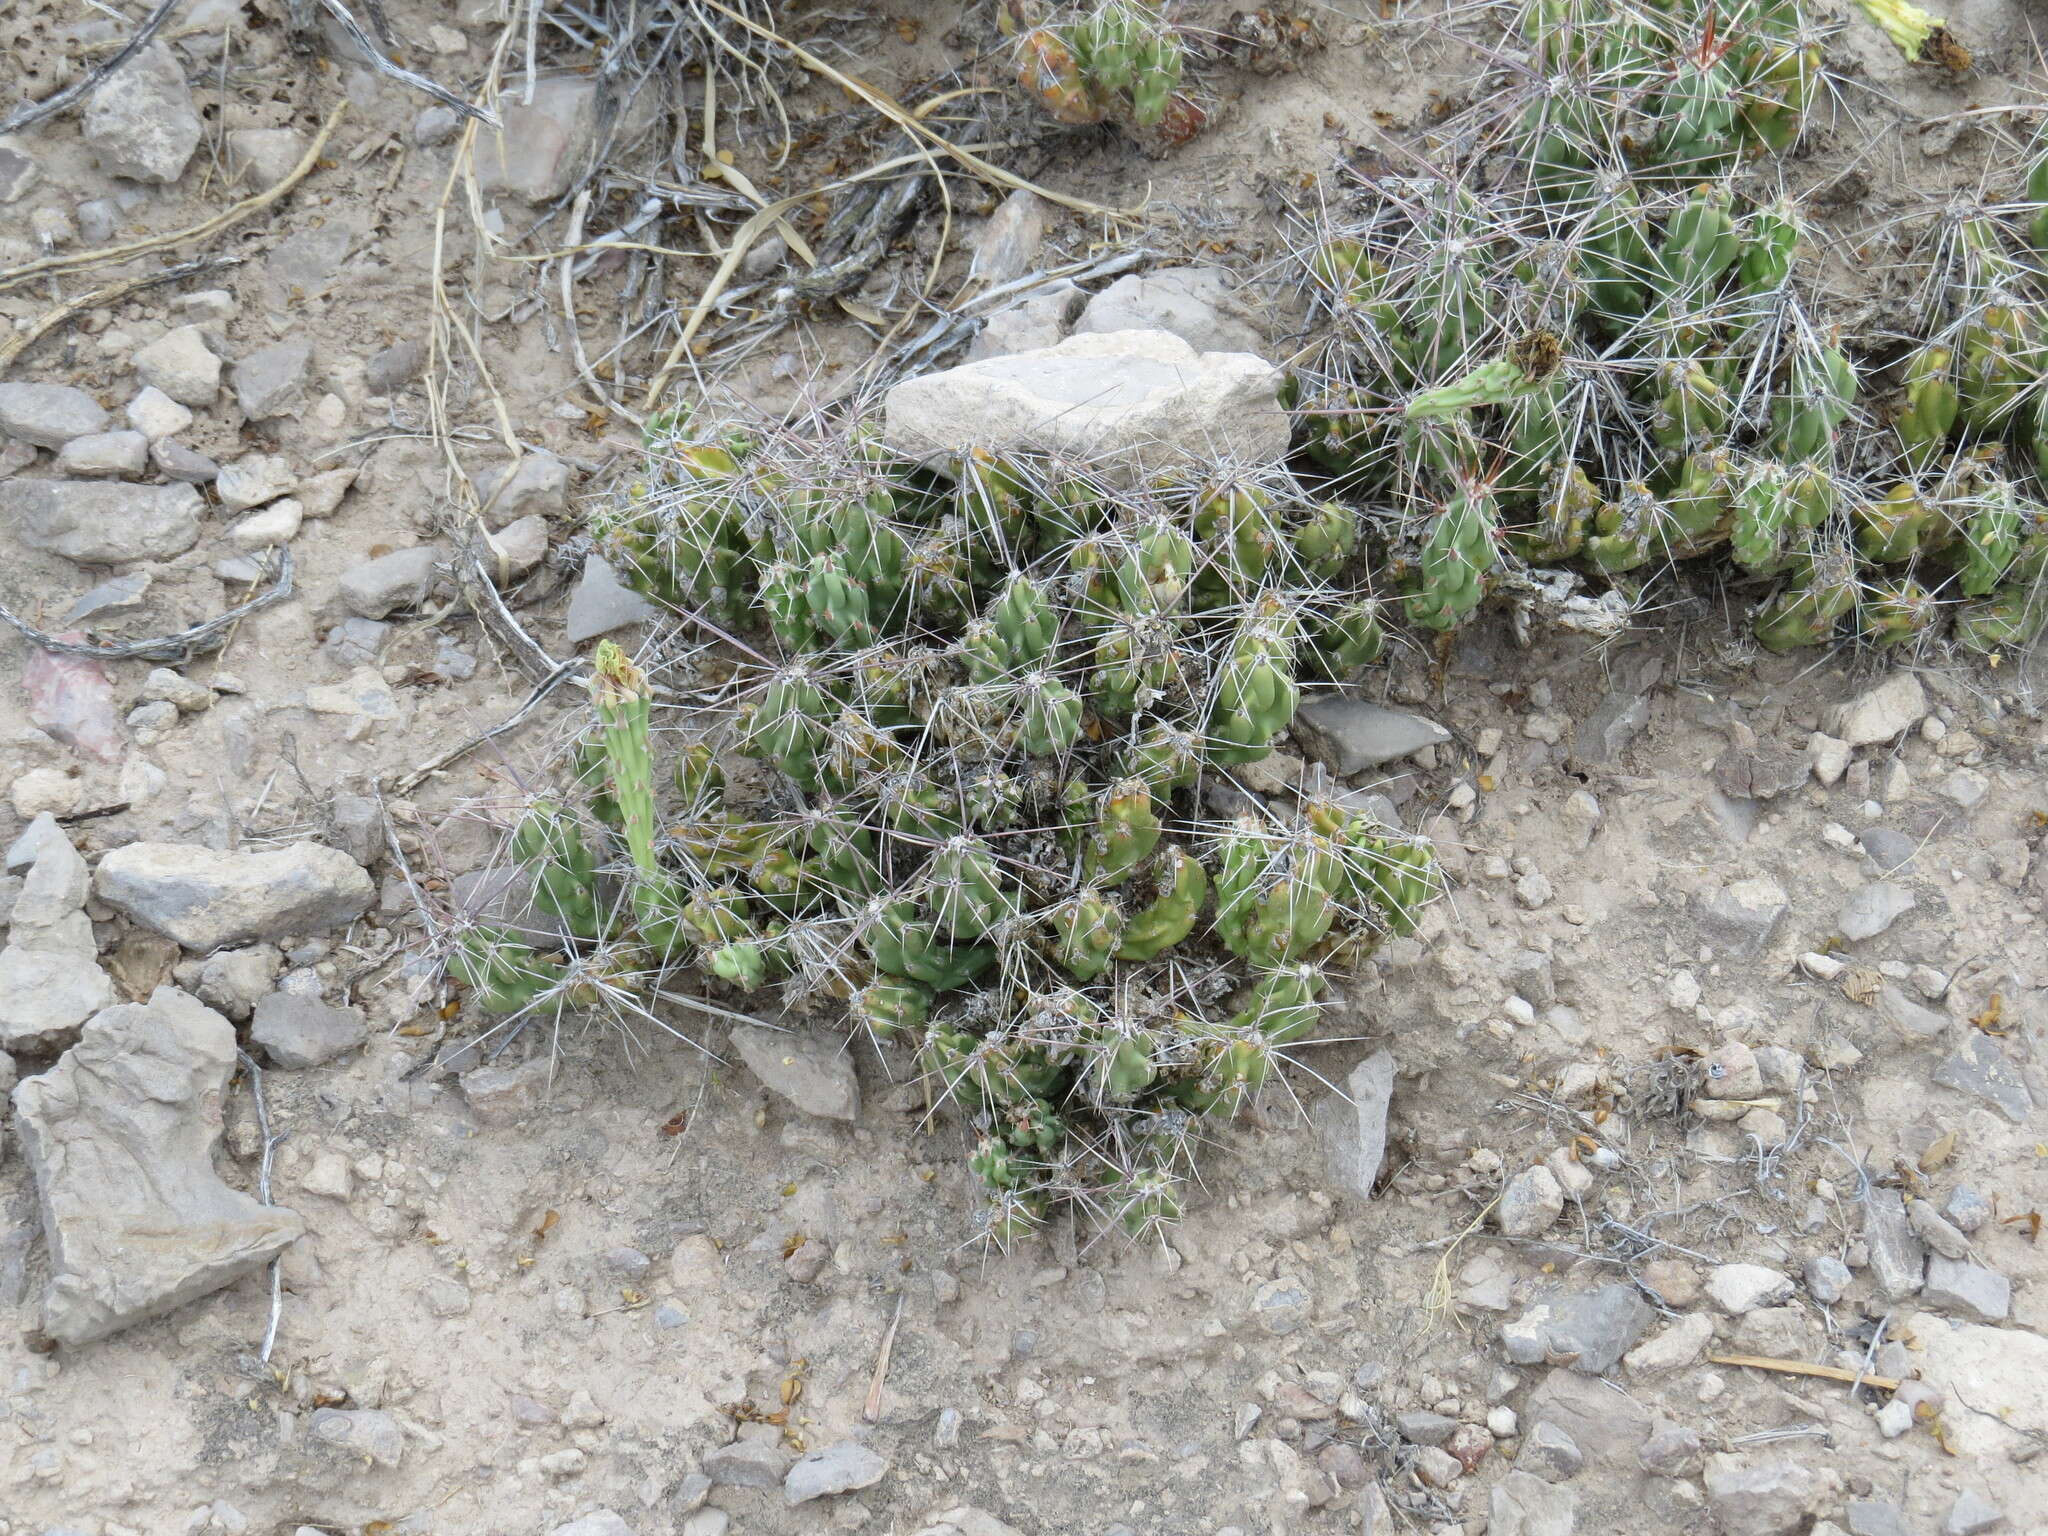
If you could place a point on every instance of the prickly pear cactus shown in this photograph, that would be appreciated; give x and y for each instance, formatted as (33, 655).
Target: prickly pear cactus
(958, 789)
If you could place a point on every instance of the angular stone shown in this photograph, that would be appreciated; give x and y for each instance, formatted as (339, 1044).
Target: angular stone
(1740, 1288)
(1980, 1294)
(1197, 304)
(402, 579)
(1966, 1210)
(1897, 1259)
(276, 524)
(1607, 1425)
(1912, 1020)
(1589, 1331)
(1351, 736)
(543, 144)
(1765, 1496)
(1743, 916)
(835, 1469)
(368, 1433)
(104, 454)
(394, 367)
(537, 486)
(749, 1464)
(50, 979)
(1530, 1204)
(253, 479)
(1873, 909)
(1881, 714)
(1933, 1229)
(272, 381)
(1827, 1277)
(49, 415)
(181, 365)
(1041, 318)
(1875, 1517)
(599, 1522)
(1007, 246)
(1971, 1515)
(99, 523)
(299, 1032)
(1525, 1505)
(1125, 402)
(140, 121)
(517, 548)
(1549, 1453)
(208, 900)
(1421, 1427)
(1890, 851)
(1673, 1349)
(1671, 1451)
(602, 603)
(19, 171)
(1352, 1126)
(508, 1095)
(262, 157)
(177, 462)
(813, 1073)
(355, 642)
(120, 1135)
(1981, 1070)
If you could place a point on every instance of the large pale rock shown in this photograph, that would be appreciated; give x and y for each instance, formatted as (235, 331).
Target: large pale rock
(120, 1136)
(97, 522)
(814, 1074)
(1352, 1124)
(140, 122)
(48, 415)
(1882, 713)
(2003, 1369)
(1126, 402)
(207, 900)
(1197, 304)
(50, 980)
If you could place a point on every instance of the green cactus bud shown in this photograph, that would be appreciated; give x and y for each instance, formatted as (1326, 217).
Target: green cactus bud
(1698, 116)
(1049, 720)
(1255, 698)
(1397, 875)
(1769, 243)
(1890, 529)
(1165, 562)
(1086, 929)
(1013, 1215)
(995, 499)
(838, 604)
(1527, 367)
(1348, 271)
(1781, 90)
(1126, 831)
(1822, 388)
(993, 800)
(1156, 65)
(1178, 884)
(1538, 442)
(1346, 638)
(1299, 907)
(1931, 405)
(1894, 610)
(1763, 519)
(1034, 1128)
(996, 1164)
(502, 974)
(743, 963)
(1123, 1063)
(902, 946)
(787, 726)
(1991, 524)
(1283, 1003)
(1999, 360)
(1165, 758)
(697, 776)
(1145, 1200)
(564, 870)
(1691, 410)
(1807, 610)
(1234, 527)
(1451, 577)
(967, 892)
(1026, 622)
(915, 807)
(1700, 243)
(2011, 618)
(1325, 539)
(1699, 511)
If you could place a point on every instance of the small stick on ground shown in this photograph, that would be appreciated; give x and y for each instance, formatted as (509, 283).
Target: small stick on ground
(873, 1411)
(1806, 1368)
(270, 1144)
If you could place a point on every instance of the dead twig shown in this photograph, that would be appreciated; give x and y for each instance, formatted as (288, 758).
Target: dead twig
(14, 346)
(872, 1412)
(270, 1145)
(1806, 1368)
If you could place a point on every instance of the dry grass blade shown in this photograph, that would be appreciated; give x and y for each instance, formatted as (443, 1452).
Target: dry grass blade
(14, 346)
(205, 229)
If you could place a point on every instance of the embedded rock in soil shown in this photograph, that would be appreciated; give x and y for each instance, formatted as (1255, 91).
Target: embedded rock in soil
(298, 1032)
(1982, 1070)
(1353, 1125)
(1764, 1496)
(272, 381)
(120, 1136)
(1897, 1256)
(543, 144)
(368, 1433)
(49, 415)
(140, 121)
(1880, 714)
(206, 900)
(1971, 1290)
(1525, 1505)
(1197, 304)
(814, 1074)
(181, 365)
(1608, 1426)
(96, 522)
(1873, 909)
(1042, 318)
(602, 603)
(1586, 1330)
(1350, 736)
(400, 579)
(1130, 402)
(1742, 917)
(50, 980)
(835, 1469)
(1740, 1288)
(1007, 246)
(1530, 1204)
(537, 486)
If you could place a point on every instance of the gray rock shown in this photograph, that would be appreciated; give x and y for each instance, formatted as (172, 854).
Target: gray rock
(401, 579)
(253, 479)
(1760, 771)
(49, 415)
(599, 1522)
(1352, 1126)
(1981, 1070)
(95, 522)
(1007, 245)
(1281, 1305)
(1874, 1517)
(837, 1468)
(1910, 1019)
(1881, 714)
(1743, 916)
(104, 454)
(362, 1432)
(537, 486)
(1599, 740)
(1673, 1348)
(1966, 1209)
(749, 1464)
(1740, 1288)
(436, 126)
(813, 1073)
(1197, 304)
(1586, 1330)
(1933, 1230)
(543, 144)
(1897, 1258)
(355, 643)
(1549, 1453)
(1873, 909)
(208, 900)
(272, 381)
(1420, 1427)
(180, 364)
(140, 121)
(518, 547)
(508, 1095)
(120, 1136)
(1671, 1451)
(1827, 1277)
(111, 596)
(19, 172)
(1892, 852)
(707, 1522)
(1970, 1289)
(1126, 402)
(236, 980)
(320, 495)
(301, 1032)
(36, 839)
(1971, 1515)
(1041, 318)
(1350, 736)
(1530, 1204)
(398, 364)
(358, 827)
(262, 157)
(174, 461)
(1525, 1505)
(1607, 1425)
(1765, 1496)
(50, 979)
(602, 603)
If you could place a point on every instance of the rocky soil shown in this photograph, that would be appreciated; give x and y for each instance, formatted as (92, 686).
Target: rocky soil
(1724, 1045)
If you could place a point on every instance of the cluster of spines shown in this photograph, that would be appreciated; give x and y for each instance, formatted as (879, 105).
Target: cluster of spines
(1112, 60)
